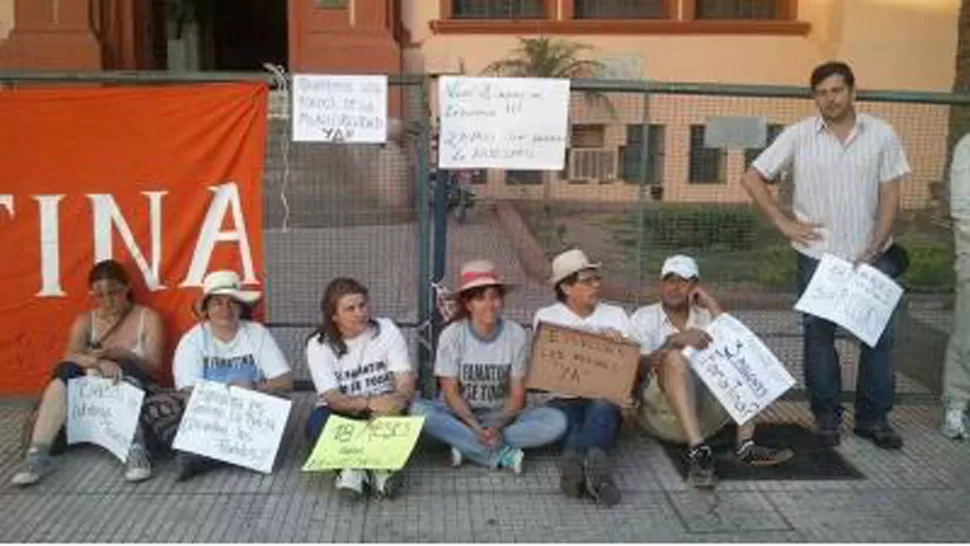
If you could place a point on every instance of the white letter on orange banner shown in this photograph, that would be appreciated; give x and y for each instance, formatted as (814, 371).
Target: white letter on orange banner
(107, 214)
(225, 195)
(6, 201)
(50, 260)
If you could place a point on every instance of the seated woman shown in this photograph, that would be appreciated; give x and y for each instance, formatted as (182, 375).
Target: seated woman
(226, 347)
(119, 339)
(360, 368)
(481, 365)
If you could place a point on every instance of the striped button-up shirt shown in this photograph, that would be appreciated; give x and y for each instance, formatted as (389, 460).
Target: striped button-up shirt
(836, 183)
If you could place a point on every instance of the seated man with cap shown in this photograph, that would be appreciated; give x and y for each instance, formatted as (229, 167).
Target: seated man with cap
(592, 424)
(676, 406)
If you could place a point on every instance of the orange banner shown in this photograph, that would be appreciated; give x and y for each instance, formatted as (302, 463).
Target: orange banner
(166, 180)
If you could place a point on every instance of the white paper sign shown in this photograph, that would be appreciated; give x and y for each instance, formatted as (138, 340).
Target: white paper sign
(860, 299)
(503, 123)
(340, 109)
(103, 413)
(232, 424)
(739, 370)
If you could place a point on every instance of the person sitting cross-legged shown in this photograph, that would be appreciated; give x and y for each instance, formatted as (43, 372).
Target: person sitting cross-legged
(675, 405)
(481, 366)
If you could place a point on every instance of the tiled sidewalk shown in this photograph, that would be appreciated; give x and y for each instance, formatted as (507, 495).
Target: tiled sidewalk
(918, 494)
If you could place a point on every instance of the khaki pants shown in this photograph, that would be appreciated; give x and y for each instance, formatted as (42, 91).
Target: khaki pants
(658, 419)
(956, 373)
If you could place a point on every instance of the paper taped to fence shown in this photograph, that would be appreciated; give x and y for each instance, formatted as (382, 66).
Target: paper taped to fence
(103, 413)
(384, 443)
(570, 361)
(349, 109)
(860, 298)
(503, 123)
(739, 369)
(232, 424)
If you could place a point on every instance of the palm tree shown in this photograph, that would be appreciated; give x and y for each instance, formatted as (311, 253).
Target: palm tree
(549, 58)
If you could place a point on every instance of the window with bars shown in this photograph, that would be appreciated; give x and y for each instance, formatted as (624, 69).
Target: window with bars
(619, 9)
(632, 152)
(737, 9)
(523, 178)
(706, 164)
(750, 154)
(498, 9)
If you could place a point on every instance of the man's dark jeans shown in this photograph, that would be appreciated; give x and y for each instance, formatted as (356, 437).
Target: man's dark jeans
(823, 377)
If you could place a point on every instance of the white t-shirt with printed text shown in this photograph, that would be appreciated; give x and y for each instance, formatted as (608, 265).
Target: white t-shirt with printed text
(251, 356)
(368, 366)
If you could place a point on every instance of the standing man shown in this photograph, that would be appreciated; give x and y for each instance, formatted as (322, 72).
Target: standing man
(956, 373)
(846, 168)
(592, 424)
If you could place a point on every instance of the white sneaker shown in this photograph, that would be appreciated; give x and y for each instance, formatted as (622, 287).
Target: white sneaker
(456, 458)
(954, 423)
(138, 467)
(350, 483)
(386, 484)
(512, 459)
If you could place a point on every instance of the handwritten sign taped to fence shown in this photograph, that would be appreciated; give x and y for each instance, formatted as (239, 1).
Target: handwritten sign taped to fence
(503, 123)
(351, 109)
(569, 361)
(384, 443)
(860, 299)
(739, 370)
(232, 424)
(103, 413)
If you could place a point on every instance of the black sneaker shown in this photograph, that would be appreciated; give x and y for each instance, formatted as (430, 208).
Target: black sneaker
(827, 432)
(700, 469)
(882, 435)
(571, 476)
(599, 481)
(753, 454)
(188, 465)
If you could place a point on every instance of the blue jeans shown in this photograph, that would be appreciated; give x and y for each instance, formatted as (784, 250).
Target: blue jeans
(823, 377)
(318, 420)
(534, 427)
(592, 424)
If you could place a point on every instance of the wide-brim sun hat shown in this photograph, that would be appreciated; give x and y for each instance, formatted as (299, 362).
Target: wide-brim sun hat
(478, 274)
(569, 262)
(226, 283)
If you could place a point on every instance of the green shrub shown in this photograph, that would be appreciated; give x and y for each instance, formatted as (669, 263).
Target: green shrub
(930, 268)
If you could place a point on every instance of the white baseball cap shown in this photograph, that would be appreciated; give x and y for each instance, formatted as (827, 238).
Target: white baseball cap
(683, 266)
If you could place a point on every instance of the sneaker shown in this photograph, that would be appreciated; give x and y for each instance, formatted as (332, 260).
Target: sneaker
(753, 454)
(37, 465)
(189, 465)
(512, 458)
(882, 435)
(138, 467)
(828, 435)
(386, 484)
(954, 423)
(456, 458)
(700, 469)
(572, 478)
(599, 481)
(350, 483)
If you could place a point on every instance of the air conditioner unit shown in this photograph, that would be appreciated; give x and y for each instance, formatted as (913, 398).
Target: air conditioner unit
(595, 165)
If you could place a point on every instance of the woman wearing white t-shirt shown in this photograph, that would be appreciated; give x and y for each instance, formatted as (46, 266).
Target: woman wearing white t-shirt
(481, 366)
(360, 368)
(226, 347)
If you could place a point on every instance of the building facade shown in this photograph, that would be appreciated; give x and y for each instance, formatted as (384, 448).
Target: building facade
(892, 44)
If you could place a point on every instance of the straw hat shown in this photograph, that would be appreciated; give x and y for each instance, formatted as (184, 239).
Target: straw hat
(479, 273)
(570, 262)
(225, 283)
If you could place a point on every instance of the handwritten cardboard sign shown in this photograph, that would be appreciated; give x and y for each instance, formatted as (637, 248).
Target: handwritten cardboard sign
(232, 424)
(739, 370)
(103, 413)
(349, 109)
(503, 123)
(384, 443)
(569, 361)
(860, 299)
